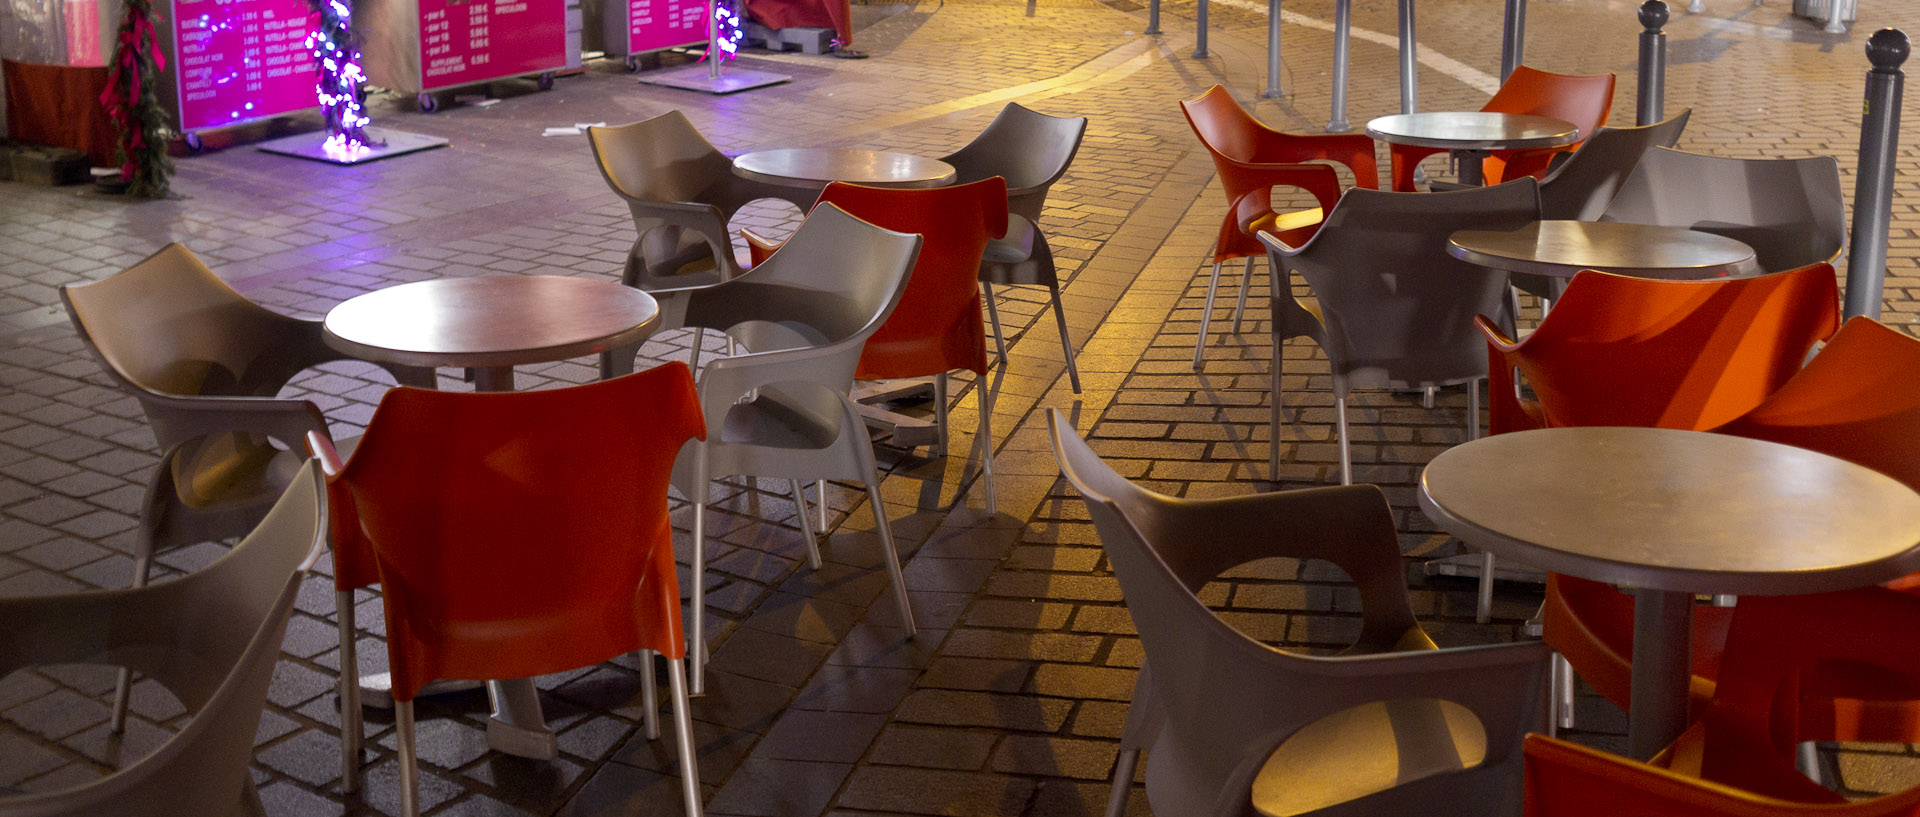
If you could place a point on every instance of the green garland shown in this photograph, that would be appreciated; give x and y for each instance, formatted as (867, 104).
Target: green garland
(132, 100)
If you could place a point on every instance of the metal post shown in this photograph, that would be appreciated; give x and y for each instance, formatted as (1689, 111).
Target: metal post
(1873, 188)
(1513, 41)
(1273, 51)
(1409, 87)
(1200, 38)
(1697, 7)
(1653, 63)
(713, 41)
(1153, 16)
(1342, 22)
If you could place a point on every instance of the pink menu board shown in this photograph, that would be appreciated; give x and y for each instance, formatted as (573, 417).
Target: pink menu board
(656, 24)
(463, 41)
(240, 60)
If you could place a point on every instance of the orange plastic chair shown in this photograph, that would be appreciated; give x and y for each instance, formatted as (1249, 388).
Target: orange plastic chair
(1253, 159)
(939, 325)
(1626, 351)
(1785, 655)
(519, 534)
(1582, 100)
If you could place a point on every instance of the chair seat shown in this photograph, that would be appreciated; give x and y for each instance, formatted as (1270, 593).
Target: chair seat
(234, 470)
(1367, 749)
(1016, 247)
(775, 420)
(1281, 224)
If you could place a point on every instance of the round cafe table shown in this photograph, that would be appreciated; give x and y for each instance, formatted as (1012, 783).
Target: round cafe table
(1472, 135)
(1558, 249)
(490, 324)
(1672, 514)
(815, 167)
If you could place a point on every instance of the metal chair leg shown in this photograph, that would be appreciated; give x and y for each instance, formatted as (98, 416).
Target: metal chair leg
(1206, 315)
(683, 738)
(806, 526)
(1240, 304)
(352, 722)
(1273, 419)
(409, 759)
(1562, 694)
(1123, 767)
(940, 414)
(820, 494)
(123, 682)
(697, 610)
(1483, 605)
(892, 555)
(985, 439)
(993, 318)
(1346, 447)
(649, 695)
(1066, 343)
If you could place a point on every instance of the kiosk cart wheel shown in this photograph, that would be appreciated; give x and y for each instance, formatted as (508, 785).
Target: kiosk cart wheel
(633, 63)
(545, 81)
(193, 142)
(427, 103)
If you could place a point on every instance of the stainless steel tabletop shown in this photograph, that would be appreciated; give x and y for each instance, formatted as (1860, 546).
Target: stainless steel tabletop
(818, 166)
(1473, 130)
(1562, 248)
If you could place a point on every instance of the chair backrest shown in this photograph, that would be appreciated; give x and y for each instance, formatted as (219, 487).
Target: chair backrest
(1626, 351)
(1582, 100)
(1031, 150)
(663, 159)
(939, 324)
(1229, 131)
(523, 533)
(1398, 309)
(211, 638)
(168, 325)
(1581, 187)
(1858, 399)
(1789, 211)
(1228, 701)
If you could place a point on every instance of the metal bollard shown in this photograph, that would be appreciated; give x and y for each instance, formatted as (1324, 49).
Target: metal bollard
(1653, 63)
(1153, 17)
(1873, 189)
(1200, 38)
(1342, 23)
(1273, 51)
(1513, 38)
(1409, 61)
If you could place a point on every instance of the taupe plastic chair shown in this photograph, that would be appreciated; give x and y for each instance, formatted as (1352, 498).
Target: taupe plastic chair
(211, 638)
(1031, 151)
(682, 192)
(1231, 726)
(1790, 211)
(1392, 309)
(205, 364)
(780, 408)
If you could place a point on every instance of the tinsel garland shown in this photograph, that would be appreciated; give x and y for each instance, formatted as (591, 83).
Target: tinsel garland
(342, 85)
(132, 101)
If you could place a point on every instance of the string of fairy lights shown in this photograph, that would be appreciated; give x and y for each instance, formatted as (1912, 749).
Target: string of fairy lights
(342, 85)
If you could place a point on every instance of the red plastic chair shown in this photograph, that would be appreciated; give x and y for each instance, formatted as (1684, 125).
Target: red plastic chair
(1582, 100)
(1784, 656)
(519, 534)
(1626, 351)
(939, 325)
(1253, 159)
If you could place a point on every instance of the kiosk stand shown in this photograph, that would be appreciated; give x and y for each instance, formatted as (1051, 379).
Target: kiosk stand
(709, 78)
(424, 46)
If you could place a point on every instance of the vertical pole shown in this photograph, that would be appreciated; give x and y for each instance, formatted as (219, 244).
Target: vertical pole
(1653, 63)
(1513, 39)
(1696, 7)
(1873, 188)
(713, 40)
(1200, 37)
(1409, 88)
(1342, 23)
(1153, 16)
(1836, 18)
(1273, 51)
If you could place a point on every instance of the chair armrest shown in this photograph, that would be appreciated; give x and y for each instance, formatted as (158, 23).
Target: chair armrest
(759, 247)
(1256, 203)
(706, 219)
(1318, 179)
(725, 381)
(1443, 186)
(176, 418)
(1496, 337)
(1274, 244)
(320, 447)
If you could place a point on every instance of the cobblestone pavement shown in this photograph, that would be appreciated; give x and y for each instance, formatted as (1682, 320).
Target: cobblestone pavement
(1010, 699)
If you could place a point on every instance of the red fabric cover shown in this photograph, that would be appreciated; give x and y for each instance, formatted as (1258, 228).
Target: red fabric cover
(59, 105)
(834, 14)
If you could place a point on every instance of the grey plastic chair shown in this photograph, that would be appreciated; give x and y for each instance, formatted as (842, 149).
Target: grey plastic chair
(1231, 726)
(1580, 187)
(1031, 151)
(780, 409)
(1790, 211)
(682, 192)
(211, 638)
(205, 364)
(1392, 309)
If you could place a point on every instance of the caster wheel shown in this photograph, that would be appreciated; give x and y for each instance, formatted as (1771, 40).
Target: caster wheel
(193, 142)
(633, 63)
(545, 81)
(427, 103)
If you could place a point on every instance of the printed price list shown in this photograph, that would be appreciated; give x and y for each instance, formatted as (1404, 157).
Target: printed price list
(656, 24)
(240, 60)
(478, 40)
